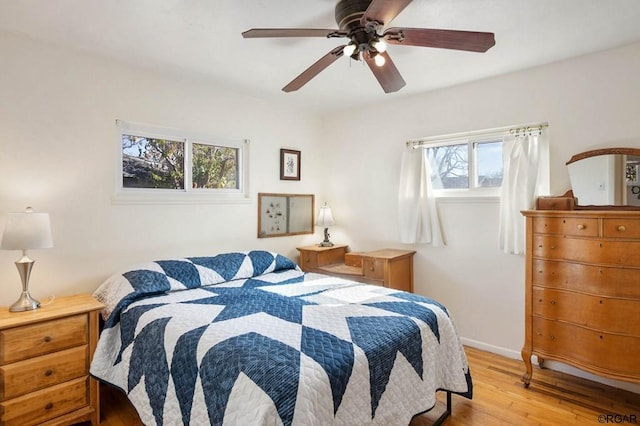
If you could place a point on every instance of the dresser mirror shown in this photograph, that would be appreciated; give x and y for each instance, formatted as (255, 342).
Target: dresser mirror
(285, 214)
(606, 178)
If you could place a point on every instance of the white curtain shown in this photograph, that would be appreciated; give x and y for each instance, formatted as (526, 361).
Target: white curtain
(521, 157)
(418, 215)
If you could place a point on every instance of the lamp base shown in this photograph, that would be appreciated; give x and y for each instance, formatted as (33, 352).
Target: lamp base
(25, 303)
(326, 242)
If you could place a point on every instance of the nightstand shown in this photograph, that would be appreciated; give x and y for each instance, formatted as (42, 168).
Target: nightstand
(313, 257)
(391, 268)
(45, 356)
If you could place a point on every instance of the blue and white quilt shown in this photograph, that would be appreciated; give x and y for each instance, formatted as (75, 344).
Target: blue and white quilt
(249, 339)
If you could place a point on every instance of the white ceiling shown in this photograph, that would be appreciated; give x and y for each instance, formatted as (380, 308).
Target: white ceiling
(201, 38)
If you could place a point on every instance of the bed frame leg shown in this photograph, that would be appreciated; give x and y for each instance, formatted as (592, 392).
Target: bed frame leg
(446, 413)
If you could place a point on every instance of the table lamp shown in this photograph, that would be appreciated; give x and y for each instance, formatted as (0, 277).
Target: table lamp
(325, 219)
(25, 231)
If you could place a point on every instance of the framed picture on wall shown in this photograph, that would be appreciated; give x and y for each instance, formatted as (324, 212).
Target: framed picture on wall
(289, 164)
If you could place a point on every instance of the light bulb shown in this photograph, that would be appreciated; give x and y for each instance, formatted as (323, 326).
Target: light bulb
(380, 46)
(379, 60)
(349, 49)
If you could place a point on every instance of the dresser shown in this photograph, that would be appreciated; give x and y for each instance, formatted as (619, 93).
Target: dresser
(582, 294)
(44, 363)
(392, 268)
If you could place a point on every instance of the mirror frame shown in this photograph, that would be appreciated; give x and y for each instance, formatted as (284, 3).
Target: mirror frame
(263, 216)
(603, 151)
(595, 153)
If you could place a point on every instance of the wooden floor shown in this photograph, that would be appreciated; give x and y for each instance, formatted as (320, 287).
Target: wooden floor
(498, 399)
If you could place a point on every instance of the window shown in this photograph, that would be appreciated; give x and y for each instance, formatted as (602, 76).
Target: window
(470, 165)
(167, 165)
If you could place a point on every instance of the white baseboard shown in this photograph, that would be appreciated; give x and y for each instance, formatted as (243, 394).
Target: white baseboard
(551, 365)
(509, 353)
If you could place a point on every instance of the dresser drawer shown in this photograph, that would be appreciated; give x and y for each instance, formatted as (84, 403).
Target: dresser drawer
(602, 280)
(27, 341)
(46, 404)
(603, 252)
(600, 313)
(575, 226)
(612, 354)
(26, 376)
(621, 228)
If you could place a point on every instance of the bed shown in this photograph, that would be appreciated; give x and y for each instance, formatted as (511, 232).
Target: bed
(248, 338)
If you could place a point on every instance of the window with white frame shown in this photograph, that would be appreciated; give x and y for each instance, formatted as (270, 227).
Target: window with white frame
(161, 164)
(470, 166)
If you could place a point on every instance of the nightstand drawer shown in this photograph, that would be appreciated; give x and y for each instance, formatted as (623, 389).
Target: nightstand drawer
(46, 404)
(26, 376)
(373, 268)
(27, 341)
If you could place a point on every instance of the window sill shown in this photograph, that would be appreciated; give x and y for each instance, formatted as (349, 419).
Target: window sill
(179, 198)
(467, 199)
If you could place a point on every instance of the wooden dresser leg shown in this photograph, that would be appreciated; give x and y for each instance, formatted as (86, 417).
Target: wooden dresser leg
(540, 361)
(526, 357)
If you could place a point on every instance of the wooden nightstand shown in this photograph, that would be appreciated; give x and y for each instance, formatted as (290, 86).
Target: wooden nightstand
(45, 356)
(313, 257)
(387, 267)
(390, 268)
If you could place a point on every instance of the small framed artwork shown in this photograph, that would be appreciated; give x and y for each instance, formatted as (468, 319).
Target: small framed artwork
(289, 164)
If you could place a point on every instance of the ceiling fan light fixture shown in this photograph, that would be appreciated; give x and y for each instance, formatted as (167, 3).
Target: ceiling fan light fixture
(379, 60)
(349, 49)
(379, 45)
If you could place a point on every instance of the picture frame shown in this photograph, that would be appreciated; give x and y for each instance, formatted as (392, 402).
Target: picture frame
(282, 215)
(289, 164)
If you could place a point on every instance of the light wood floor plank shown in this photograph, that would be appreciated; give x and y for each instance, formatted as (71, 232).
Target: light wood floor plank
(499, 398)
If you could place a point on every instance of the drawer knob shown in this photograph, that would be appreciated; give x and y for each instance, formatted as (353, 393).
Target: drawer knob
(581, 226)
(552, 337)
(48, 372)
(553, 302)
(48, 339)
(49, 406)
(622, 228)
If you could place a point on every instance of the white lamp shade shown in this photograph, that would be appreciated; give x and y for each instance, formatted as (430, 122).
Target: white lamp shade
(23, 231)
(325, 218)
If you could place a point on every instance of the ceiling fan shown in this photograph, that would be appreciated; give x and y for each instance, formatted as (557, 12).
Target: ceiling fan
(363, 23)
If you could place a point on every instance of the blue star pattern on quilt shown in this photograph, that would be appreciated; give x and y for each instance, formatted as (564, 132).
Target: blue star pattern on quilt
(183, 332)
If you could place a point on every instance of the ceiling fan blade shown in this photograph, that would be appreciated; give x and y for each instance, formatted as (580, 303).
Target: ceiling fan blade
(292, 32)
(383, 11)
(444, 39)
(388, 75)
(314, 69)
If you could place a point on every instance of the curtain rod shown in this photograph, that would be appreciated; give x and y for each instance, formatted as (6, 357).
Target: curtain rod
(498, 131)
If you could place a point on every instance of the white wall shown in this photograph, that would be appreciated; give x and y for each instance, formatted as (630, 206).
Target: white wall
(57, 153)
(589, 102)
